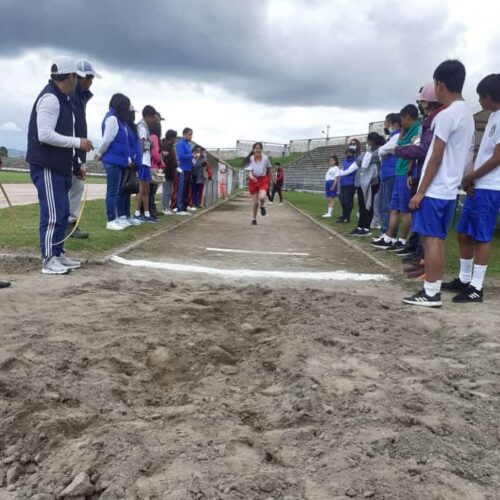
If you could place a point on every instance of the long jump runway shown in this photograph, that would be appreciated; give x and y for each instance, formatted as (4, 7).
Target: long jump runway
(173, 382)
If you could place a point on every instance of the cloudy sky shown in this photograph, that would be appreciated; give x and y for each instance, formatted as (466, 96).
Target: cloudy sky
(270, 70)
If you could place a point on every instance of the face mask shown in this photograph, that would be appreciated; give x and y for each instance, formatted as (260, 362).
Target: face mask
(421, 110)
(368, 148)
(387, 131)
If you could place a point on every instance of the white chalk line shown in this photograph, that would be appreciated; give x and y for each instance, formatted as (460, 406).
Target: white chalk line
(250, 273)
(256, 252)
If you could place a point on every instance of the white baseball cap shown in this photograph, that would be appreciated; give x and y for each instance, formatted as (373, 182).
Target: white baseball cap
(65, 65)
(87, 67)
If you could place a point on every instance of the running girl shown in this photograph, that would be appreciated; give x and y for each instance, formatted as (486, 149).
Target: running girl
(257, 165)
(331, 184)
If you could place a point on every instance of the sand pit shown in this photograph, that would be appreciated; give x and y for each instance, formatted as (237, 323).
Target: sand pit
(165, 385)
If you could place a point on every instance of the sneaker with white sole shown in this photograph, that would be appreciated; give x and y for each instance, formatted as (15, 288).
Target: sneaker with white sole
(134, 222)
(424, 300)
(192, 209)
(182, 213)
(114, 225)
(124, 221)
(327, 216)
(53, 266)
(469, 294)
(69, 263)
(167, 212)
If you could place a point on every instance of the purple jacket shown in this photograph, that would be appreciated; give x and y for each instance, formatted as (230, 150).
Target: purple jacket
(418, 152)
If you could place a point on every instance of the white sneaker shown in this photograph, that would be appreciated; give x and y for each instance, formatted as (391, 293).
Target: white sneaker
(114, 225)
(134, 222)
(167, 212)
(69, 263)
(325, 216)
(123, 220)
(183, 213)
(53, 266)
(192, 209)
(174, 210)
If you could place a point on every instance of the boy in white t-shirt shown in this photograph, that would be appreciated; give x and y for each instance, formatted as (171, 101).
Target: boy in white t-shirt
(331, 185)
(446, 161)
(476, 226)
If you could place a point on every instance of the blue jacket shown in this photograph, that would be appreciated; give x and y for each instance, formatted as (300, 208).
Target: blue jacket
(184, 155)
(348, 180)
(57, 159)
(388, 165)
(135, 147)
(118, 152)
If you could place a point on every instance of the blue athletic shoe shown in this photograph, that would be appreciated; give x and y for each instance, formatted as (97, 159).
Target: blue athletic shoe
(150, 218)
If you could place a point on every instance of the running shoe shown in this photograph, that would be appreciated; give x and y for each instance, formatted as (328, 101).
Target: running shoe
(326, 216)
(134, 222)
(123, 220)
(150, 218)
(455, 285)
(182, 212)
(469, 294)
(53, 266)
(381, 243)
(397, 245)
(114, 225)
(254, 222)
(69, 263)
(263, 211)
(403, 252)
(424, 300)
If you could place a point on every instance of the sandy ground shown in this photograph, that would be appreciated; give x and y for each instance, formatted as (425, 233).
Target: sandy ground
(166, 385)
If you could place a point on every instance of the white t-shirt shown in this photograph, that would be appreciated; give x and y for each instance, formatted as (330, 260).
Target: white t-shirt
(143, 135)
(258, 168)
(491, 139)
(332, 173)
(455, 126)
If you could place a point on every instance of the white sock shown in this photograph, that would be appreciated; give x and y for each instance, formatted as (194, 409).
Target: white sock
(403, 241)
(388, 239)
(330, 210)
(432, 289)
(478, 276)
(147, 214)
(137, 213)
(465, 270)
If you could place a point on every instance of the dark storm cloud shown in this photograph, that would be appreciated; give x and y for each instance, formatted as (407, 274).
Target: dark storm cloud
(364, 58)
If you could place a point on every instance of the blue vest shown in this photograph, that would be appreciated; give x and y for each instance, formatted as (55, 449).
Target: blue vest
(118, 152)
(39, 154)
(348, 180)
(388, 165)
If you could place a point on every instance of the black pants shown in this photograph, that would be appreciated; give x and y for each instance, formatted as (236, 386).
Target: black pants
(153, 188)
(277, 188)
(188, 180)
(347, 200)
(365, 214)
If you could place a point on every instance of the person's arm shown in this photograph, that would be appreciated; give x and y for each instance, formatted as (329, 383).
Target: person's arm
(388, 148)
(109, 135)
(416, 151)
(350, 170)
(184, 152)
(155, 150)
(47, 110)
(430, 172)
(488, 166)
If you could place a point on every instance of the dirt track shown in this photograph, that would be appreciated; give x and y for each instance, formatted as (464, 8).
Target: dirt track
(164, 385)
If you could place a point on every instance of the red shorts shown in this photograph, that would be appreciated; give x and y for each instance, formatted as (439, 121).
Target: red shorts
(259, 184)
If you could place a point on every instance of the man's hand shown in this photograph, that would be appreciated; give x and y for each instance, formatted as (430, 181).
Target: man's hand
(83, 172)
(468, 183)
(179, 170)
(86, 145)
(416, 200)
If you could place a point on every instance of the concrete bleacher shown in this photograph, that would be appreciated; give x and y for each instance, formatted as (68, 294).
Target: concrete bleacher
(307, 173)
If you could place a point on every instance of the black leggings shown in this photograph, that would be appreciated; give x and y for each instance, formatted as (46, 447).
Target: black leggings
(347, 200)
(277, 188)
(365, 214)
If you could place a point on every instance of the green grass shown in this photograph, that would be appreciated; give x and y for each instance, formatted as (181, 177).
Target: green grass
(238, 162)
(19, 230)
(315, 205)
(22, 178)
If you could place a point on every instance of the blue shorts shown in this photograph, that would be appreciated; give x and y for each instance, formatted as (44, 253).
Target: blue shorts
(328, 187)
(433, 218)
(144, 173)
(401, 195)
(479, 215)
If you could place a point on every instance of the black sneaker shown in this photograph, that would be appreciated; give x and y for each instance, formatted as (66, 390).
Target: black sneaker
(469, 294)
(363, 232)
(254, 222)
(422, 299)
(263, 211)
(412, 258)
(79, 235)
(397, 245)
(344, 221)
(356, 230)
(454, 285)
(382, 244)
(339, 219)
(403, 252)
(4, 284)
